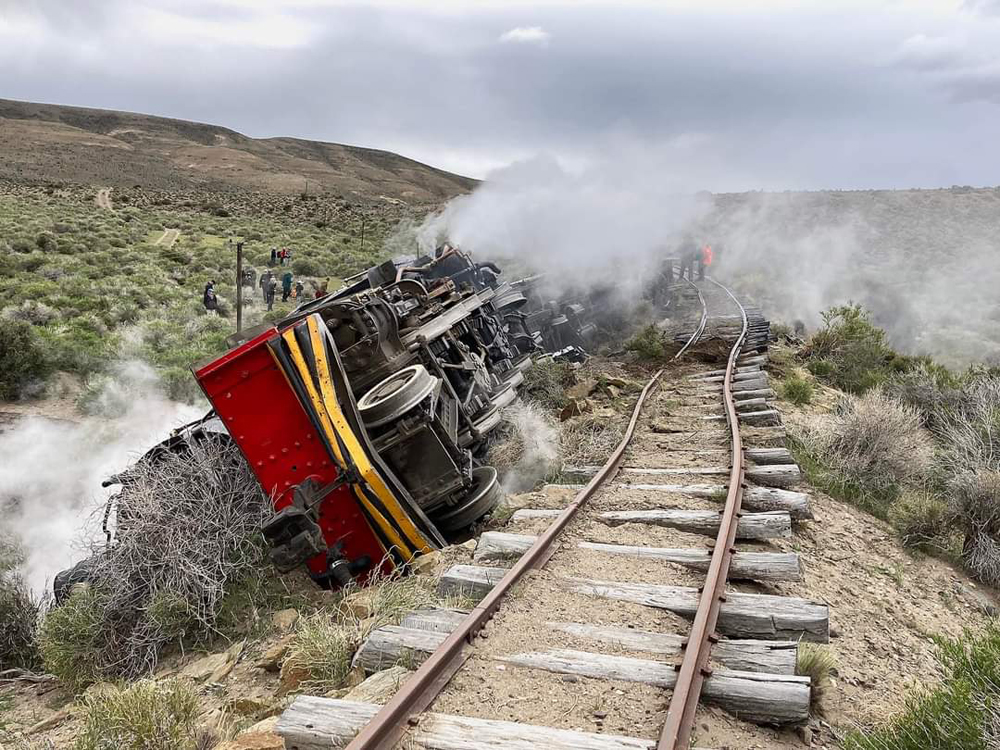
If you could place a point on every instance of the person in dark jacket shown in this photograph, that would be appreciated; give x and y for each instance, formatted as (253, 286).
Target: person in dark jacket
(264, 279)
(209, 299)
(688, 252)
(286, 285)
(299, 288)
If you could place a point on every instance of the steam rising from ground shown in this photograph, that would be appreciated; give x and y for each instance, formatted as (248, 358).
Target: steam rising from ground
(51, 472)
(528, 450)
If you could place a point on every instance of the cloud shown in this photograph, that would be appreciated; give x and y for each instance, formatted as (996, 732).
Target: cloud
(921, 52)
(526, 35)
(745, 101)
(983, 7)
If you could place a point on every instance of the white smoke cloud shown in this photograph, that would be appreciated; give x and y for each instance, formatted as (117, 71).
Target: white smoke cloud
(579, 225)
(526, 35)
(51, 472)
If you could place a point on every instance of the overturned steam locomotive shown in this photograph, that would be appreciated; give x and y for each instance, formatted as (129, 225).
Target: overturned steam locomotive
(365, 414)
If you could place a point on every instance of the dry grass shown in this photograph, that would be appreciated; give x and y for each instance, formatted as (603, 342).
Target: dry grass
(325, 643)
(816, 662)
(590, 439)
(921, 518)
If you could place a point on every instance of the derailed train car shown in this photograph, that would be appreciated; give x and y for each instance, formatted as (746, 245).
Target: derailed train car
(364, 415)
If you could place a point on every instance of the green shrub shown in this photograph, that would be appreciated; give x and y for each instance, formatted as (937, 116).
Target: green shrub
(23, 359)
(145, 715)
(797, 389)
(69, 639)
(19, 612)
(958, 714)
(546, 381)
(853, 351)
(921, 518)
(647, 344)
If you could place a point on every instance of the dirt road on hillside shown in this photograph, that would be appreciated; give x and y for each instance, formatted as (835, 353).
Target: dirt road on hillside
(168, 238)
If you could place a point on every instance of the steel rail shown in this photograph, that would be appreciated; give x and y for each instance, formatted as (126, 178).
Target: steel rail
(694, 667)
(392, 720)
(701, 324)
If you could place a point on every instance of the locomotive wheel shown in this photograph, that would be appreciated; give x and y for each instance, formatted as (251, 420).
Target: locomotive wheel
(513, 376)
(505, 395)
(484, 496)
(397, 394)
(523, 363)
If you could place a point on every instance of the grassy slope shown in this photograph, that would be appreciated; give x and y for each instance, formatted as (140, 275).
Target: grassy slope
(96, 287)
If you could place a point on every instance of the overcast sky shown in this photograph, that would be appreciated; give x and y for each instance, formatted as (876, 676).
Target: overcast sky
(728, 95)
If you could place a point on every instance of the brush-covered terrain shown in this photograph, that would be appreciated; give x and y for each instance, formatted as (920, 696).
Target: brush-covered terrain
(82, 286)
(45, 142)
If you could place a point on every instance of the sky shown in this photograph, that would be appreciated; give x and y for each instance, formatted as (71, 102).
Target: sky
(727, 96)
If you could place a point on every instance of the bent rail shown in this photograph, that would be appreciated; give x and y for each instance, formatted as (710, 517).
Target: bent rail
(694, 666)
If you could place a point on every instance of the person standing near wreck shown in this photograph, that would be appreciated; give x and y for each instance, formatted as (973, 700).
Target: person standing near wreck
(286, 285)
(209, 300)
(704, 260)
(688, 253)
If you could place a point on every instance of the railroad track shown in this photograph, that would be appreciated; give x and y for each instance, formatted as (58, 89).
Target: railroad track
(603, 596)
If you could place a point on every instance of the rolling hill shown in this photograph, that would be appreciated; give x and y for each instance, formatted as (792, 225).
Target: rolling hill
(46, 142)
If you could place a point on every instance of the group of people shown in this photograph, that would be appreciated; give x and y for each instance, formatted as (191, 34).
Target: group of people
(280, 257)
(269, 287)
(690, 254)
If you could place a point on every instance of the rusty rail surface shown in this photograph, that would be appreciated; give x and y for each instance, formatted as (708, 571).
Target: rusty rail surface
(392, 720)
(701, 324)
(694, 667)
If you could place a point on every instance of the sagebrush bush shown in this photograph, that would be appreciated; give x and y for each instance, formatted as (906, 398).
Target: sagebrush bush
(19, 613)
(974, 508)
(23, 359)
(931, 390)
(879, 440)
(647, 344)
(797, 389)
(187, 532)
(870, 448)
(145, 715)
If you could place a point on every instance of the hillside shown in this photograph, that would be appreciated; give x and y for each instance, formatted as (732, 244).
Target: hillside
(45, 142)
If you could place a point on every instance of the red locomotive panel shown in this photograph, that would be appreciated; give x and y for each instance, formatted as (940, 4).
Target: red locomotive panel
(262, 414)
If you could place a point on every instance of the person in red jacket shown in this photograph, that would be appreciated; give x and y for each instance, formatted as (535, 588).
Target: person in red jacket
(705, 259)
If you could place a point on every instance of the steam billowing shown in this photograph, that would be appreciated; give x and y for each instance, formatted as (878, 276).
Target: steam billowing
(925, 262)
(51, 472)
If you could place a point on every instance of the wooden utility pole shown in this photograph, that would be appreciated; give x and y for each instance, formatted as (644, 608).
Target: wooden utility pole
(239, 285)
